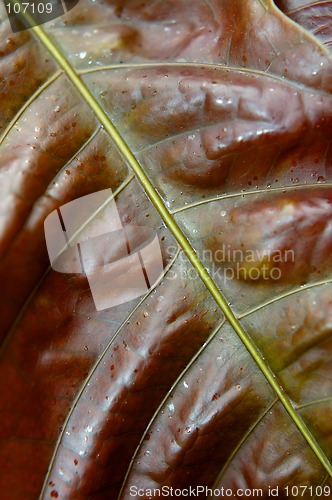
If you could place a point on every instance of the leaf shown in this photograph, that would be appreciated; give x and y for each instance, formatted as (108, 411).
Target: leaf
(211, 123)
(314, 16)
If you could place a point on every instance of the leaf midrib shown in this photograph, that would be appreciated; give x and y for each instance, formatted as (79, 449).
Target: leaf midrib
(180, 237)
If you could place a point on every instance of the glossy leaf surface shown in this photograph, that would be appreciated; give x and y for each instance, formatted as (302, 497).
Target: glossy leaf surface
(314, 16)
(224, 382)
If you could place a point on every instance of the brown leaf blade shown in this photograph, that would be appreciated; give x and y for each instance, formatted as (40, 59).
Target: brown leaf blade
(229, 116)
(313, 16)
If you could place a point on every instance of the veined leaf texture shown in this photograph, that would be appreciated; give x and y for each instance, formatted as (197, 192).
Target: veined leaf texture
(210, 122)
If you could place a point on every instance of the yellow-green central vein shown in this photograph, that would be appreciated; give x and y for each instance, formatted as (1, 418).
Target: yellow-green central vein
(181, 239)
